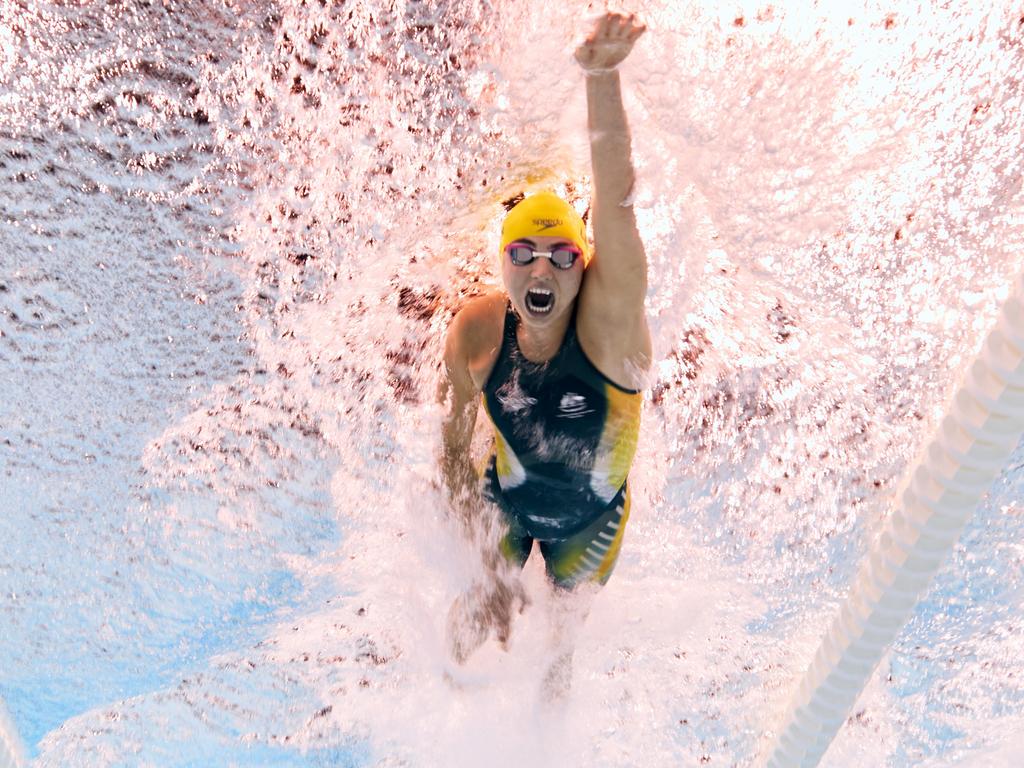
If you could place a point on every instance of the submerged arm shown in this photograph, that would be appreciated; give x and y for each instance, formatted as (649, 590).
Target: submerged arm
(459, 393)
(492, 601)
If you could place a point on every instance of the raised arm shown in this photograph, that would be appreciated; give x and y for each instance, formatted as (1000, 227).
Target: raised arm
(612, 323)
(600, 55)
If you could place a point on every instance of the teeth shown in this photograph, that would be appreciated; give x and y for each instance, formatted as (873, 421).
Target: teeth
(540, 300)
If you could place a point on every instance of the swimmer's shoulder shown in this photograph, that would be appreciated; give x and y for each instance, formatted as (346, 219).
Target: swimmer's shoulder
(476, 332)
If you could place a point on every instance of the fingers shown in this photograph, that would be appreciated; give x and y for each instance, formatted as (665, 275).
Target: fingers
(502, 617)
(522, 598)
(610, 41)
(502, 633)
(618, 26)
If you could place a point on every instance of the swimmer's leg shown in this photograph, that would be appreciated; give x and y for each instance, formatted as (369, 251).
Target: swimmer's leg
(578, 567)
(589, 555)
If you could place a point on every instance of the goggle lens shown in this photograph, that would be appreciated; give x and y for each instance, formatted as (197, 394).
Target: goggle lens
(562, 257)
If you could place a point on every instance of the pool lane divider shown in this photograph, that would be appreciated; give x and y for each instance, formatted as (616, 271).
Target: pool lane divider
(968, 451)
(12, 754)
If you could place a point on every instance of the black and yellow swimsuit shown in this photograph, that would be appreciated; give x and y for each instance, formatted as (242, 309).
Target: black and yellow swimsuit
(565, 436)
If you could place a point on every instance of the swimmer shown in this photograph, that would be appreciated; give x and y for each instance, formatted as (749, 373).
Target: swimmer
(558, 358)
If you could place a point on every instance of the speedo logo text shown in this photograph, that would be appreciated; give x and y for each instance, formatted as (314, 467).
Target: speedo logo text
(543, 224)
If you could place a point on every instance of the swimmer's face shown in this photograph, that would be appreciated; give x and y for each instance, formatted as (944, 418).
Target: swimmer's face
(541, 292)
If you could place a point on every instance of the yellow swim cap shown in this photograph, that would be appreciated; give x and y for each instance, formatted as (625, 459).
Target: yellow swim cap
(546, 215)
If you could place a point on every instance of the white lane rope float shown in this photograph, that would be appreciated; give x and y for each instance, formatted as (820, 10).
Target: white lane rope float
(12, 755)
(969, 449)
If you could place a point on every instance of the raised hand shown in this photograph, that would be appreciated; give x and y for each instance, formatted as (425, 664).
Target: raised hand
(610, 42)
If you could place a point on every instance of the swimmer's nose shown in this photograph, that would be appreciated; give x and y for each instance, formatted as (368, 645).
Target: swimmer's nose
(542, 267)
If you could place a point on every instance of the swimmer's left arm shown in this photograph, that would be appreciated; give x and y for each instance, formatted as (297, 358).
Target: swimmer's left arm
(612, 322)
(600, 55)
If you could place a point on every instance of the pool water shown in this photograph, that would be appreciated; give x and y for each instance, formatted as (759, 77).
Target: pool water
(231, 238)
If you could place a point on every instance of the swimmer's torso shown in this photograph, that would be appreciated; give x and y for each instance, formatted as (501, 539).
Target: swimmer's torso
(565, 435)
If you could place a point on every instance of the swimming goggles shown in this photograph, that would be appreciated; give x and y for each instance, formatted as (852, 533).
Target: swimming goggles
(562, 257)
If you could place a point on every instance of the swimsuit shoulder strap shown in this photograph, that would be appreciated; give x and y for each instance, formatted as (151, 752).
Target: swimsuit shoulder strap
(511, 323)
(509, 348)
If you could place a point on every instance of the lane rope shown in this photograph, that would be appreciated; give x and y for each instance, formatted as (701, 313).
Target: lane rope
(968, 451)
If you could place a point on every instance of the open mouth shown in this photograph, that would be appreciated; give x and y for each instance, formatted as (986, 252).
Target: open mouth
(540, 301)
